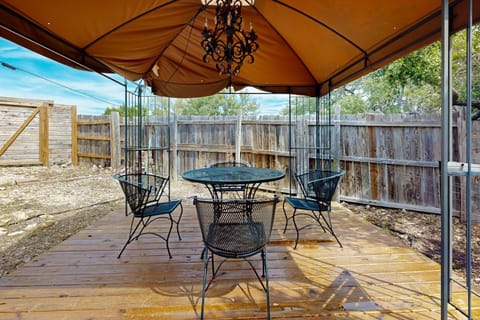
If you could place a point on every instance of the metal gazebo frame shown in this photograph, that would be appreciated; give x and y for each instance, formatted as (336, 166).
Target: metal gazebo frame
(447, 174)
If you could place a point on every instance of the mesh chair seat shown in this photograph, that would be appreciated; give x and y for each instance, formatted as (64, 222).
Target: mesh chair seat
(306, 204)
(158, 209)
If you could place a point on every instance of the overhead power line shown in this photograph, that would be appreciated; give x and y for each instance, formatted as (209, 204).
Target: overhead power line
(12, 67)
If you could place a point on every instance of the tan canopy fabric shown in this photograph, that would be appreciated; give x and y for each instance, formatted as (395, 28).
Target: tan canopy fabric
(305, 47)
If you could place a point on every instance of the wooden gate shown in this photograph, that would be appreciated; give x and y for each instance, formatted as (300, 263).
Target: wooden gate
(36, 132)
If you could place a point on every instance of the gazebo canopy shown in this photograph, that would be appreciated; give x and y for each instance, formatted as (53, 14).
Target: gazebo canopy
(305, 47)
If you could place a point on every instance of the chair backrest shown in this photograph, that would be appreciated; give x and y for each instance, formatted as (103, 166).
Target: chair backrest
(235, 227)
(229, 164)
(136, 194)
(324, 188)
(304, 180)
(155, 182)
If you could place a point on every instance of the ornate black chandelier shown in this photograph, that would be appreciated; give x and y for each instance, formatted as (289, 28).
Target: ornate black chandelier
(228, 44)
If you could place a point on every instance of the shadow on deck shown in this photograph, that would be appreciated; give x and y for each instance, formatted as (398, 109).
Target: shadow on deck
(373, 277)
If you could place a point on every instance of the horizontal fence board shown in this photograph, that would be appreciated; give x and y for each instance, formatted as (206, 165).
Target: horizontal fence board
(86, 139)
(93, 155)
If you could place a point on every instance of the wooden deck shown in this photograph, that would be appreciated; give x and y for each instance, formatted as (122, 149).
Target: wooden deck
(373, 277)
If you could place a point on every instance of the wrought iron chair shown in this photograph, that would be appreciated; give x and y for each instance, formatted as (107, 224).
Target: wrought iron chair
(238, 229)
(143, 193)
(238, 190)
(318, 188)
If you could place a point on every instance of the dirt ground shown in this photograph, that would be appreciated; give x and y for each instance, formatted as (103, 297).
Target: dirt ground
(42, 206)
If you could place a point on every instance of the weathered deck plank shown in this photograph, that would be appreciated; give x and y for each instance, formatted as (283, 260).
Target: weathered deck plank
(373, 276)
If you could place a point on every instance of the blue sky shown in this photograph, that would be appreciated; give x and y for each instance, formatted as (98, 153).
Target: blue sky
(90, 92)
(29, 81)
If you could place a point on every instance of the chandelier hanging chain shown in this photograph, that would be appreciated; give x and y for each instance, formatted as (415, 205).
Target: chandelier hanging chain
(228, 45)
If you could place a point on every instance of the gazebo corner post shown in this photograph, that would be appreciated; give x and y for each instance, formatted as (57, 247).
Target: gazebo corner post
(125, 128)
(125, 140)
(169, 148)
(238, 136)
(333, 155)
(174, 143)
(337, 134)
(317, 128)
(290, 162)
(139, 129)
(445, 194)
(468, 198)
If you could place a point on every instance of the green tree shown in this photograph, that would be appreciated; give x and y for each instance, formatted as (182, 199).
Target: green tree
(118, 109)
(222, 104)
(300, 106)
(409, 84)
(459, 65)
(131, 111)
(352, 104)
(412, 83)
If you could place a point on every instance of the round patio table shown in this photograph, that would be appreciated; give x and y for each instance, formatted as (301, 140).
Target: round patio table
(219, 178)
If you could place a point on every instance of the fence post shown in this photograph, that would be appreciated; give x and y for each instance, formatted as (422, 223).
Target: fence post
(73, 111)
(302, 152)
(43, 135)
(336, 146)
(115, 140)
(238, 136)
(174, 147)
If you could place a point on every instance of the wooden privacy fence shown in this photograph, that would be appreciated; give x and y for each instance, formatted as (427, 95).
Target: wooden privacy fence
(98, 139)
(262, 141)
(390, 160)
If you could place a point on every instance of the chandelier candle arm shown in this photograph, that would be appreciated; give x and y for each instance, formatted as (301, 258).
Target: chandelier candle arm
(228, 45)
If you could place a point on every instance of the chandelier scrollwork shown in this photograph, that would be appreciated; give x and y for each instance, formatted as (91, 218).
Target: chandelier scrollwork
(228, 45)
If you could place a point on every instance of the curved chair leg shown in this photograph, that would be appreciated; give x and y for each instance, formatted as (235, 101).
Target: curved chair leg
(204, 289)
(164, 238)
(177, 222)
(168, 236)
(286, 217)
(296, 228)
(267, 288)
